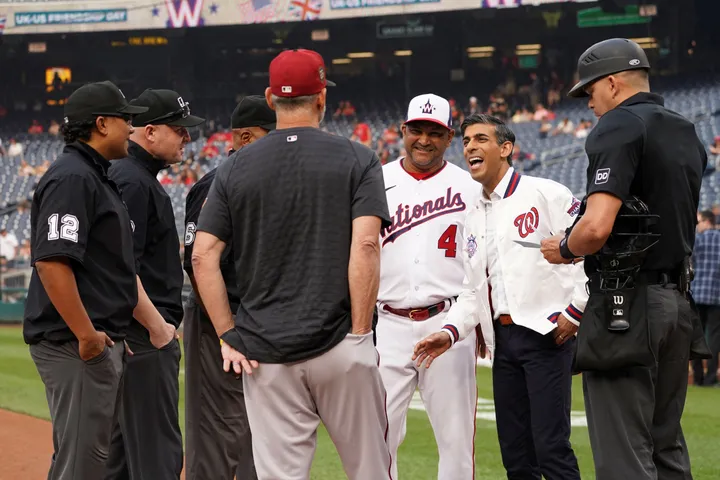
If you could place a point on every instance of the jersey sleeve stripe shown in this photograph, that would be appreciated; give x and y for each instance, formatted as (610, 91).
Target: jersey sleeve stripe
(453, 331)
(574, 312)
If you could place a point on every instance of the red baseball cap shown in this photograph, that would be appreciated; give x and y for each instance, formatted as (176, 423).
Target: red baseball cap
(296, 73)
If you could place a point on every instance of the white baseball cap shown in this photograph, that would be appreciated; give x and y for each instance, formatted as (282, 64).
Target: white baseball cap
(430, 108)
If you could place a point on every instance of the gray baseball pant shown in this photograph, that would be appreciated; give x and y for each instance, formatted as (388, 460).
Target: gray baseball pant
(343, 389)
(218, 443)
(147, 441)
(83, 399)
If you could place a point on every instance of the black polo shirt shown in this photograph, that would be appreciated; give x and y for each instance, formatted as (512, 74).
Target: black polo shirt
(287, 202)
(193, 203)
(641, 148)
(157, 246)
(77, 213)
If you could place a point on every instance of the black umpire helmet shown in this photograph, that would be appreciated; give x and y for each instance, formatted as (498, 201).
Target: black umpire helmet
(605, 58)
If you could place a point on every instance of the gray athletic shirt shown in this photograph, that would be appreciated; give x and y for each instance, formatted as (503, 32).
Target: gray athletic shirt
(287, 202)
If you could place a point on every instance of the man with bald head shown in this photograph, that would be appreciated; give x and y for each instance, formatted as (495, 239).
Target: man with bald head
(219, 444)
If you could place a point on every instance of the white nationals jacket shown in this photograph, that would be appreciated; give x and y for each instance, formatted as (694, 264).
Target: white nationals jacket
(531, 209)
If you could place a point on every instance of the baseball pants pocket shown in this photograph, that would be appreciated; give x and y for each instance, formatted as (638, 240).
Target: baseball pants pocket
(82, 398)
(350, 397)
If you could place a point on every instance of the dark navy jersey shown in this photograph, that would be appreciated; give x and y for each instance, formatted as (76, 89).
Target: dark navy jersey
(193, 204)
(287, 203)
(157, 246)
(643, 149)
(78, 214)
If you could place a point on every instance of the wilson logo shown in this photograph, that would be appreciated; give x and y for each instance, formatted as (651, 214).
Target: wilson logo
(527, 223)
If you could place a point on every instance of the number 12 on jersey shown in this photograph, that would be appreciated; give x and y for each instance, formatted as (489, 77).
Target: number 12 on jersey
(448, 242)
(68, 229)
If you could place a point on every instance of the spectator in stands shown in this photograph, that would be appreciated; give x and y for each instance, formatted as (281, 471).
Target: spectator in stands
(715, 152)
(8, 245)
(583, 129)
(23, 256)
(473, 106)
(42, 168)
(519, 157)
(716, 212)
(54, 128)
(3, 152)
(345, 109)
(565, 127)
(15, 150)
(35, 128)
(164, 178)
(456, 114)
(545, 128)
(391, 136)
(382, 151)
(535, 90)
(556, 86)
(25, 169)
(541, 113)
(706, 293)
(522, 115)
(361, 133)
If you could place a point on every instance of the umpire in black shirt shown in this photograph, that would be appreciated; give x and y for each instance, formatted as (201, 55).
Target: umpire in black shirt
(634, 342)
(217, 434)
(148, 442)
(83, 290)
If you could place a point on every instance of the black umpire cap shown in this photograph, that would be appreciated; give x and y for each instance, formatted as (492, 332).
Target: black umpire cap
(98, 99)
(253, 111)
(164, 107)
(606, 58)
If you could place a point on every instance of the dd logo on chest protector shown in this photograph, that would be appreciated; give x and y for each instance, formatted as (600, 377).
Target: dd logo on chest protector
(601, 176)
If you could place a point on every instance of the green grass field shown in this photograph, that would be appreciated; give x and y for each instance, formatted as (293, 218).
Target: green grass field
(22, 391)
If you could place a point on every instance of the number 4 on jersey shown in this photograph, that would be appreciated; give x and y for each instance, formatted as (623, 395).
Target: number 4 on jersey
(447, 241)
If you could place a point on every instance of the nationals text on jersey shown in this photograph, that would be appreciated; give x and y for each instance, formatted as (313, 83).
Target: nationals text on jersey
(406, 218)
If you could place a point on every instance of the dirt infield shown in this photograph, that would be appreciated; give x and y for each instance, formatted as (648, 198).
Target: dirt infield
(25, 447)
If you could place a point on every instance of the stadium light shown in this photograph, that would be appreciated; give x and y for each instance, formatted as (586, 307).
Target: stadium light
(361, 55)
(480, 54)
(534, 46)
(527, 52)
(403, 53)
(341, 61)
(480, 49)
(646, 42)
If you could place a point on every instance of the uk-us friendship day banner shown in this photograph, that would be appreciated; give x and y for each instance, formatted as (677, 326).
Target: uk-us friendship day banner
(106, 15)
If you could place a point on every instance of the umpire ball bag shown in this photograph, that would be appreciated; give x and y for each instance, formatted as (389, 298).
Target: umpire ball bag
(614, 331)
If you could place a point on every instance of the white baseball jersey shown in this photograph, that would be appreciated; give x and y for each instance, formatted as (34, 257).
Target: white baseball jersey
(422, 265)
(422, 262)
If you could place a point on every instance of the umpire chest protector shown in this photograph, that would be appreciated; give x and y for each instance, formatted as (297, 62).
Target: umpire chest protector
(614, 331)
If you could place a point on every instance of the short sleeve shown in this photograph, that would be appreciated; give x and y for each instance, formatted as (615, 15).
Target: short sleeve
(215, 216)
(369, 198)
(614, 149)
(193, 204)
(63, 215)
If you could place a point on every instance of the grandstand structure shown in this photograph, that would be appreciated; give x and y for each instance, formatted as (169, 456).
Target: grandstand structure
(560, 157)
(381, 53)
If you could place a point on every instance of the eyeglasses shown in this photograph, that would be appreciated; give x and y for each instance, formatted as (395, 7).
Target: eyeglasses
(181, 131)
(183, 112)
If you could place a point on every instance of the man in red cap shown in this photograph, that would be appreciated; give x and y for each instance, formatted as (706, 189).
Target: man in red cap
(304, 210)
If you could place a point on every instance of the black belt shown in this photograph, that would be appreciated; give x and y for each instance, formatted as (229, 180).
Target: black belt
(644, 277)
